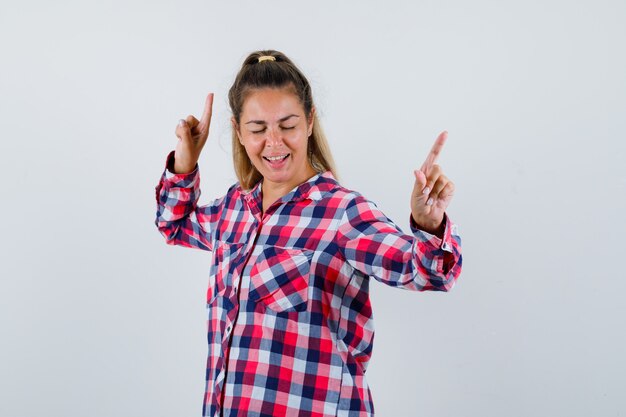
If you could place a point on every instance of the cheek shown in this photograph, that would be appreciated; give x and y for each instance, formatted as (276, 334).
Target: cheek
(253, 148)
(299, 144)
(252, 154)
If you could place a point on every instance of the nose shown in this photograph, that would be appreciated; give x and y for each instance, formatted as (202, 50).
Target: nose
(273, 138)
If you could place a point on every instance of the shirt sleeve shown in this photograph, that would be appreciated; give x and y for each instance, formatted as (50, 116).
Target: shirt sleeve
(178, 217)
(375, 246)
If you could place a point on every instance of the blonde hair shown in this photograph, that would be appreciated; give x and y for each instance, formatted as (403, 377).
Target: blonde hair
(279, 72)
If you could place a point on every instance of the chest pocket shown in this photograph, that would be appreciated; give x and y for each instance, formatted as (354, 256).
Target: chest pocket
(280, 279)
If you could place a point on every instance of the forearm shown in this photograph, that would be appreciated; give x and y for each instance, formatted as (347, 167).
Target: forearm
(178, 217)
(375, 246)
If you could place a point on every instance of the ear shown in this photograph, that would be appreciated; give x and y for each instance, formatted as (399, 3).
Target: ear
(233, 122)
(311, 119)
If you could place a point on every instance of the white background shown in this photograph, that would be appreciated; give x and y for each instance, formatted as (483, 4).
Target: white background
(98, 317)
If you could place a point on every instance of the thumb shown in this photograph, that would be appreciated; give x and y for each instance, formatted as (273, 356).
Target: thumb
(420, 179)
(183, 131)
(418, 187)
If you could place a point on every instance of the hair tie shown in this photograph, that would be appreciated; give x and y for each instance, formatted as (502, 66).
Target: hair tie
(266, 58)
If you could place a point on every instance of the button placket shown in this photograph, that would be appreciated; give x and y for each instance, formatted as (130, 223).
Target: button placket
(232, 317)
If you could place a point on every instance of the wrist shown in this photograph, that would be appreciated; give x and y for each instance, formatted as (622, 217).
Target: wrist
(434, 227)
(183, 169)
(176, 166)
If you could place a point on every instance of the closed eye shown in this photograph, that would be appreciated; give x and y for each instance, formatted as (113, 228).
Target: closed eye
(282, 127)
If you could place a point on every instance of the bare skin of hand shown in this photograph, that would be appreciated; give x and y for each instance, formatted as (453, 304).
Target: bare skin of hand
(192, 135)
(432, 192)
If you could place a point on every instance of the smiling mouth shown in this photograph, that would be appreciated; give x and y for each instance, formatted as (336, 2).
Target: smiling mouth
(276, 158)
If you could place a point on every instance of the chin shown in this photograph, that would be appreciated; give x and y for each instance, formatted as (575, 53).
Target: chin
(278, 176)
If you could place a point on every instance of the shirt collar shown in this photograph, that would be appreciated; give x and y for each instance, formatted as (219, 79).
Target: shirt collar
(312, 189)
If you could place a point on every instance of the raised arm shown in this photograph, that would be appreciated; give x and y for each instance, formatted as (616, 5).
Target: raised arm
(430, 259)
(179, 219)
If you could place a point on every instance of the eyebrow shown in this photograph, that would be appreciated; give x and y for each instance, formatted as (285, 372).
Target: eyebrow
(262, 122)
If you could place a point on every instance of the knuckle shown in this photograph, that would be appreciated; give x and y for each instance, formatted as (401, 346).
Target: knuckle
(449, 190)
(433, 179)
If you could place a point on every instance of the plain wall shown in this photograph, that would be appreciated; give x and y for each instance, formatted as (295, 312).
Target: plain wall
(99, 317)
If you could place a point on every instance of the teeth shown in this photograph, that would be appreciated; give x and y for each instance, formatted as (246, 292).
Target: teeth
(275, 158)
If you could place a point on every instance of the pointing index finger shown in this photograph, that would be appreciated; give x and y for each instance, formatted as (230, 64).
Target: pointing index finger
(433, 155)
(208, 109)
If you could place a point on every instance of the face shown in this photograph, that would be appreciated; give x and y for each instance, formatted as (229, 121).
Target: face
(275, 130)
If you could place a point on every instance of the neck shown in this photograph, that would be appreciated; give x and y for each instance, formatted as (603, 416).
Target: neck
(273, 191)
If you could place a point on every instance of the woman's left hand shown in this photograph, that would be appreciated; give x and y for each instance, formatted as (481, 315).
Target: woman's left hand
(432, 192)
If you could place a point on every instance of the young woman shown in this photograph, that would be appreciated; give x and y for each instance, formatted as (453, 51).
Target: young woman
(290, 325)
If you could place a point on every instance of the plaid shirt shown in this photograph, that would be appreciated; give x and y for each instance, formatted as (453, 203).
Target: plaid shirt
(290, 325)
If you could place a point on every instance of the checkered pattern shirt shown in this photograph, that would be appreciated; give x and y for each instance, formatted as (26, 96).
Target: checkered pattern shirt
(290, 325)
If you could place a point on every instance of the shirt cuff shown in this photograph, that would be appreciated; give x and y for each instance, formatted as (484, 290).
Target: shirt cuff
(444, 243)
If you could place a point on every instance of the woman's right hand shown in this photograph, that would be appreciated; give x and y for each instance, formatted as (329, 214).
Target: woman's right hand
(192, 135)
